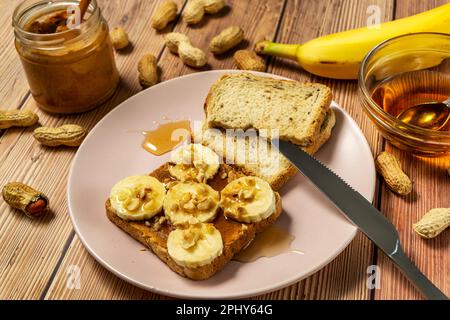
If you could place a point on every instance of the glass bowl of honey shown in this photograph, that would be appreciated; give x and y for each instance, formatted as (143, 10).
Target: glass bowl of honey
(404, 83)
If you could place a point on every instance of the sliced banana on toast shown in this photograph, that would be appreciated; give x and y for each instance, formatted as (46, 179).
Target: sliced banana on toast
(137, 197)
(191, 202)
(195, 245)
(194, 162)
(248, 200)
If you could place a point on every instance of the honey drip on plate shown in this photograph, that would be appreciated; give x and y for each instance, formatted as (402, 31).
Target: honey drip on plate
(166, 137)
(269, 243)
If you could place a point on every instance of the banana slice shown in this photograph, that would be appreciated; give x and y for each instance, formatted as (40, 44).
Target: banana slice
(194, 162)
(247, 200)
(191, 202)
(137, 197)
(195, 246)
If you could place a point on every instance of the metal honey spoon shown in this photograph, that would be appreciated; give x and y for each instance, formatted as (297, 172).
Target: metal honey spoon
(432, 115)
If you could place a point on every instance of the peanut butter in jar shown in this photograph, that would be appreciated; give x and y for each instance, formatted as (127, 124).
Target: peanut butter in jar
(70, 67)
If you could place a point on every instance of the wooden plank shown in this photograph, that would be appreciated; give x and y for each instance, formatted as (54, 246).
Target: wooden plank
(31, 249)
(345, 277)
(256, 18)
(339, 280)
(95, 281)
(431, 189)
(14, 86)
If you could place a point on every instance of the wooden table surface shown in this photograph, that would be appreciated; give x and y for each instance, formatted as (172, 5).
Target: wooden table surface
(37, 257)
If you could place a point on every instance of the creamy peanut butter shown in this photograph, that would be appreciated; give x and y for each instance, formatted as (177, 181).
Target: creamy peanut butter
(68, 70)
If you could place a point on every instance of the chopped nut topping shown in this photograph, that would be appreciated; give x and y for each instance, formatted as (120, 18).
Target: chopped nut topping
(148, 197)
(192, 173)
(171, 184)
(191, 237)
(156, 227)
(241, 211)
(251, 182)
(189, 206)
(186, 197)
(200, 200)
(204, 205)
(246, 194)
(132, 204)
(228, 212)
(140, 194)
(174, 207)
(148, 205)
(201, 177)
(200, 165)
(162, 219)
(235, 198)
(210, 228)
(202, 190)
(158, 222)
(232, 176)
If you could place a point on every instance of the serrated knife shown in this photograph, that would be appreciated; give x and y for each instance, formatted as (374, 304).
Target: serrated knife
(361, 212)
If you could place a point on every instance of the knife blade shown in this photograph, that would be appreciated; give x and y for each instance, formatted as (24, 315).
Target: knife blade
(359, 211)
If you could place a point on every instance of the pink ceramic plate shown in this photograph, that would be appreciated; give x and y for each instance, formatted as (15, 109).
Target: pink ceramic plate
(112, 151)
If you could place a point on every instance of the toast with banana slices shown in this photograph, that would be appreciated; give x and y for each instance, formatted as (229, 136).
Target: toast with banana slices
(195, 215)
(197, 211)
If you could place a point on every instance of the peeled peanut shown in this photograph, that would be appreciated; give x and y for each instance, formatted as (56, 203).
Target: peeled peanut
(164, 14)
(22, 197)
(148, 71)
(180, 44)
(70, 135)
(190, 239)
(389, 167)
(196, 9)
(17, 118)
(204, 205)
(248, 60)
(133, 204)
(433, 223)
(189, 206)
(119, 38)
(226, 40)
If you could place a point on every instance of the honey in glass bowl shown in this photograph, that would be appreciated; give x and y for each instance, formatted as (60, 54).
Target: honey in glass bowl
(406, 91)
(398, 81)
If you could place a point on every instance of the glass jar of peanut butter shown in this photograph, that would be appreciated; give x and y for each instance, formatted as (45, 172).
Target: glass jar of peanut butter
(70, 67)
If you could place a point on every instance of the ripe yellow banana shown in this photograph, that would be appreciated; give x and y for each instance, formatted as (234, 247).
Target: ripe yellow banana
(339, 55)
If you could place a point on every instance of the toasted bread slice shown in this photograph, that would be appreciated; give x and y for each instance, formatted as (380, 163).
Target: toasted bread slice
(154, 232)
(325, 133)
(255, 156)
(243, 101)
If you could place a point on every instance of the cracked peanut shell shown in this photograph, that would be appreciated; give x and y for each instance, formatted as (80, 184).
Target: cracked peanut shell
(26, 199)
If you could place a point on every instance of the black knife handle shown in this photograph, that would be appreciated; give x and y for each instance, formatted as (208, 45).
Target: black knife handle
(425, 286)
